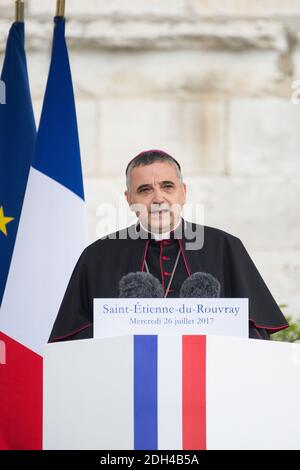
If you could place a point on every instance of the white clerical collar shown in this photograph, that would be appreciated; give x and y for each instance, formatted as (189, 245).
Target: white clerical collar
(161, 236)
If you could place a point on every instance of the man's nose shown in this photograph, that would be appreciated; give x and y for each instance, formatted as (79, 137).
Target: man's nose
(158, 196)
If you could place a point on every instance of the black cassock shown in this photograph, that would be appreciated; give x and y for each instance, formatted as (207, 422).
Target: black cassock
(103, 263)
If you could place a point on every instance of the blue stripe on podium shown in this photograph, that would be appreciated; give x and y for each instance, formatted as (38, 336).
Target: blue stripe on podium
(145, 392)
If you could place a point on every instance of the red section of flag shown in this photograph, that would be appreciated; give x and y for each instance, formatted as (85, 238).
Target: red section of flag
(21, 390)
(194, 392)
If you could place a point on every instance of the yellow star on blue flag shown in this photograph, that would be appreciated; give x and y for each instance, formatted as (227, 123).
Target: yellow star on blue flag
(4, 221)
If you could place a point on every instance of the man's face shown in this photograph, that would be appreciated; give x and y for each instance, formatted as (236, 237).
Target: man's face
(156, 196)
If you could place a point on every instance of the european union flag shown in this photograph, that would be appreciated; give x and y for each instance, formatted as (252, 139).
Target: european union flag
(17, 140)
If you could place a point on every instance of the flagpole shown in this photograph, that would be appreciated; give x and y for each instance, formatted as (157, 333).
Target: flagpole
(19, 11)
(60, 8)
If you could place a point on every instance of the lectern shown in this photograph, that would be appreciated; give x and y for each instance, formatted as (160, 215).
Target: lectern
(172, 392)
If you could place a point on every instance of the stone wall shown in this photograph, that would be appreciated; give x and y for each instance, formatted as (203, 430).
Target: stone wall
(210, 82)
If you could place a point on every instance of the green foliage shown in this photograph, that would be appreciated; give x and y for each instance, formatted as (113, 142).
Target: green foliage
(290, 334)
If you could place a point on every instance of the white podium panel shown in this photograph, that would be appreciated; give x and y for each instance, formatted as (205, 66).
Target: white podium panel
(252, 390)
(84, 407)
(189, 392)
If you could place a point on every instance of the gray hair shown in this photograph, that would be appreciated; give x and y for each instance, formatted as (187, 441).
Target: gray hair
(147, 159)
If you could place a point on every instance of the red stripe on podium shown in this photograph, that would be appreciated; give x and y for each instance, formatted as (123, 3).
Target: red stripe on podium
(193, 392)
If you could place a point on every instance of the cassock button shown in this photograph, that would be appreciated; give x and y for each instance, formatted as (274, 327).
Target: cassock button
(165, 258)
(166, 273)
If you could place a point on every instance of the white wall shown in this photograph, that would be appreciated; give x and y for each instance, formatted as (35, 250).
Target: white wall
(208, 81)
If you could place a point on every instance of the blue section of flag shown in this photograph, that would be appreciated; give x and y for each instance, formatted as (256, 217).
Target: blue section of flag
(17, 140)
(145, 392)
(57, 150)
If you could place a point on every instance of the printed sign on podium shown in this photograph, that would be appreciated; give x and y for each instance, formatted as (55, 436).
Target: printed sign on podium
(171, 316)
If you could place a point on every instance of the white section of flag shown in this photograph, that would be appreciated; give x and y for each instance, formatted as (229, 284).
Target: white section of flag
(169, 385)
(50, 239)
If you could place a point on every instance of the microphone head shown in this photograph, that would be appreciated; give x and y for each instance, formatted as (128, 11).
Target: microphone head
(200, 285)
(140, 285)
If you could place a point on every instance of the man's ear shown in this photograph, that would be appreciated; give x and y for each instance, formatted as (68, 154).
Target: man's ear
(184, 190)
(127, 195)
(129, 200)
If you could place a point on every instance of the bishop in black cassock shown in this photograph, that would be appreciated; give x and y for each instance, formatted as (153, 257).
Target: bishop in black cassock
(102, 264)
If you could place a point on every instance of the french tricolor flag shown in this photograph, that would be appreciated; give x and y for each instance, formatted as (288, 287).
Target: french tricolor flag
(50, 238)
(169, 392)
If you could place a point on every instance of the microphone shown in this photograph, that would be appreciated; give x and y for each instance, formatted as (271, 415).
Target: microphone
(141, 285)
(200, 285)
